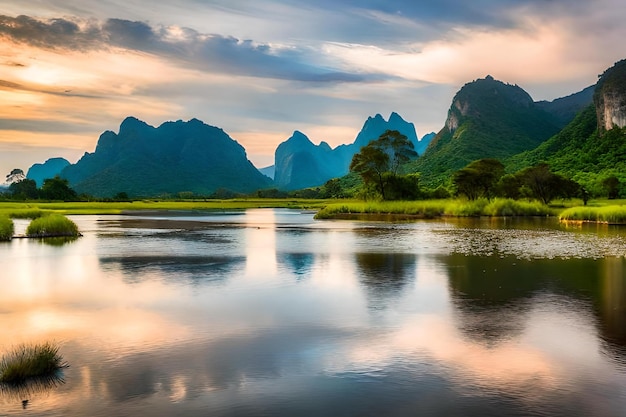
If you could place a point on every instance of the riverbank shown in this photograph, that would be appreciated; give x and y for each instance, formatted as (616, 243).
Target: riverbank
(34, 209)
(601, 211)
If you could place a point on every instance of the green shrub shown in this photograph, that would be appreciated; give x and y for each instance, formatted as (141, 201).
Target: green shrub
(6, 228)
(30, 361)
(53, 225)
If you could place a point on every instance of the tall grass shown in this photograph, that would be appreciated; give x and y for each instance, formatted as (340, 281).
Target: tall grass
(53, 225)
(30, 210)
(606, 214)
(30, 361)
(437, 208)
(6, 228)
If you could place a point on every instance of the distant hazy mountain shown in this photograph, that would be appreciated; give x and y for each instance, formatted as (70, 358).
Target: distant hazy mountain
(142, 160)
(49, 169)
(299, 163)
(268, 171)
(487, 119)
(564, 109)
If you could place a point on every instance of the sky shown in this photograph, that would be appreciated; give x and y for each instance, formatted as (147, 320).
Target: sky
(70, 70)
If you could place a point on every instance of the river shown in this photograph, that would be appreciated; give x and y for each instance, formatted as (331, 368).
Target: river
(270, 313)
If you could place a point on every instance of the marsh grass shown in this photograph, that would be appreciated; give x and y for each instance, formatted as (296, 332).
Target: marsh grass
(28, 213)
(53, 225)
(436, 208)
(30, 210)
(605, 214)
(25, 362)
(7, 228)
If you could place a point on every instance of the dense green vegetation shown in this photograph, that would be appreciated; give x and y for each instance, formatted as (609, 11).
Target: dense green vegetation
(6, 228)
(488, 119)
(30, 361)
(378, 163)
(55, 188)
(581, 153)
(437, 208)
(53, 225)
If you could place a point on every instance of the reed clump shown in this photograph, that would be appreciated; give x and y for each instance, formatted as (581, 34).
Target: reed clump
(27, 361)
(53, 225)
(436, 208)
(606, 214)
(6, 228)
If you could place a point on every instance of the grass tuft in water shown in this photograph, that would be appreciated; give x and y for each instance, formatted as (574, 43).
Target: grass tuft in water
(53, 225)
(6, 228)
(25, 362)
(606, 214)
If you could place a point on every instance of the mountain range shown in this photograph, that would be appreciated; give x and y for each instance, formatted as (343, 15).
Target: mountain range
(141, 160)
(491, 119)
(487, 119)
(300, 164)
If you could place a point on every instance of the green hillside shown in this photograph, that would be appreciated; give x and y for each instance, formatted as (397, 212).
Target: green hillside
(487, 119)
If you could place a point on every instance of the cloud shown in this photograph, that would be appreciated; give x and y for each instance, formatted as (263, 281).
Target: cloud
(213, 53)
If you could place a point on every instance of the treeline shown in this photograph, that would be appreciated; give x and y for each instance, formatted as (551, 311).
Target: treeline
(56, 188)
(378, 172)
(379, 165)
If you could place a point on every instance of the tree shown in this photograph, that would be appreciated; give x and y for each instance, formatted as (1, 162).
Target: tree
(379, 161)
(509, 186)
(58, 188)
(544, 185)
(479, 178)
(24, 190)
(399, 148)
(332, 189)
(611, 186)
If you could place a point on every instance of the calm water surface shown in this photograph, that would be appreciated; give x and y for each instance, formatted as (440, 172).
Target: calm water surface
(270, 313)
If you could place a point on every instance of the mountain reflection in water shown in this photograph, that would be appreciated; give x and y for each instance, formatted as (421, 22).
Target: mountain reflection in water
(267, 312)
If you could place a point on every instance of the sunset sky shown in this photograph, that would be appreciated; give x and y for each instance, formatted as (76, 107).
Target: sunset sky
(70, 70)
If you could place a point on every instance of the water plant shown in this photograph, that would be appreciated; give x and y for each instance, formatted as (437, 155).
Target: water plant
(28, 361)
(53, 225)
(6, 228)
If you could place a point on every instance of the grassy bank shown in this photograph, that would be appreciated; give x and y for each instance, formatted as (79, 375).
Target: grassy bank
(53, 225)
(30, 361)
(37, 209)
(613, 214)
(437, 208)
(6, 228)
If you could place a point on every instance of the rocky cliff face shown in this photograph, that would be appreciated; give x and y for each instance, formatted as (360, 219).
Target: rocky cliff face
(610, 97)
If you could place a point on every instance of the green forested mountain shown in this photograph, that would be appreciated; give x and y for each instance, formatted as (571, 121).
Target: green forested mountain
(142, 160)
(487, 119)
(592, 147)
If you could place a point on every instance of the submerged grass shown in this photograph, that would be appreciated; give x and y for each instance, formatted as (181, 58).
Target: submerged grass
(53, 225)
(6, 228)
(436, 208)
(30, 361)
(606, 214)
